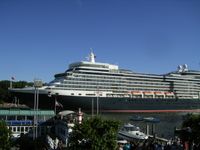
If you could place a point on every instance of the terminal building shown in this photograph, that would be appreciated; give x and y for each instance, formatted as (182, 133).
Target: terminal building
(21, 121)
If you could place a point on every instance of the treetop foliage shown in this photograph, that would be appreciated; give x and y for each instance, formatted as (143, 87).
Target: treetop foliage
(95, 134)
(5, 95)
(191, 124)
(5, 134)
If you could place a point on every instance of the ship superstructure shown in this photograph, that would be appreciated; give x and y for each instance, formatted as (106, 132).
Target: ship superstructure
(86, 80)
(106, 80)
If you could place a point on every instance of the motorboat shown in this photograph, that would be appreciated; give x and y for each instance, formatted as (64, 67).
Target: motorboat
(131, 132)
(151, 119)
(136, 118)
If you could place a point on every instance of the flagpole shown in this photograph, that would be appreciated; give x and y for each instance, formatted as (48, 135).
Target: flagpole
(55, 105)
(11, 84)
(97, 99)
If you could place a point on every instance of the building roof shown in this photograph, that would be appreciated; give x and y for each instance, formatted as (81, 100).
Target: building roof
(19, 112)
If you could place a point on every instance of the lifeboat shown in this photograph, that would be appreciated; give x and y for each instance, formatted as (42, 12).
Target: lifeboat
(148, 93)
(159, 93)
(136, 92)
(169, 93)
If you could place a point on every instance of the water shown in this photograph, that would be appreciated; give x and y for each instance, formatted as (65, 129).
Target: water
(165, 128)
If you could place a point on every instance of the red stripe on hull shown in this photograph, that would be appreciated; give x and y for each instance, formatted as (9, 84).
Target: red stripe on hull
(150, 111)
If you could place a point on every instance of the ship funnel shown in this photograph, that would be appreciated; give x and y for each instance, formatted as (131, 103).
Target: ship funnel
(92, 57)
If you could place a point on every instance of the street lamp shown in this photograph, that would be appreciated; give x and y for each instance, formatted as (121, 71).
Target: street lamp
(98, 99)
(55, 102)
(37, 84)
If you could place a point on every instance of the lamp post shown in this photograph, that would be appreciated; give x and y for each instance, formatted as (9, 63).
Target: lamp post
(97, 99)
(37, 84)
(11, 82)
(92, 107)
(55, 102)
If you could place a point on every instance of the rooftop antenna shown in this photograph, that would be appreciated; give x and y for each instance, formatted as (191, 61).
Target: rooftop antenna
(91, 49)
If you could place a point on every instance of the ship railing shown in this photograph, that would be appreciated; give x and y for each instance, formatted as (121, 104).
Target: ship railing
(188, 97)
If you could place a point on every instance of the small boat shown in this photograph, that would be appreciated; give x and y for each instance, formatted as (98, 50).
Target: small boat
(151, 119)
(130, 132)
(136, 118)
(122, 141)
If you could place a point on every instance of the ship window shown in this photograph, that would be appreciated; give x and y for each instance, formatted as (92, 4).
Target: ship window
(90, 94)
(79, 94)
(72, 93)
(26, 129)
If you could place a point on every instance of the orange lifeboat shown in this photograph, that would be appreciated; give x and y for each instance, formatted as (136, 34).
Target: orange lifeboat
(148, 93)
(159, 93)
(136, 92)
(169, 93)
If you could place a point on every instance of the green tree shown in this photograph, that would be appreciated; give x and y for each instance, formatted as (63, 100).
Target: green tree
(5, 134)
(94, 134)
(5, 95)
(191, 128)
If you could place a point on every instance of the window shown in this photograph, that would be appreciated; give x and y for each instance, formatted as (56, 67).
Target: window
(14, 129)
(26, 129)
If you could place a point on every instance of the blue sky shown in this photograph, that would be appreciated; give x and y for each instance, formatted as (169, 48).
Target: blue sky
(40, 38)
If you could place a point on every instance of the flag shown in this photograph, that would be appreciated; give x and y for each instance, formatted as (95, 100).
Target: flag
(57, 104)
(12, 78)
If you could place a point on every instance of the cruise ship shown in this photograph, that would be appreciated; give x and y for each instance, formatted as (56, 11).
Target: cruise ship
(103, 87)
